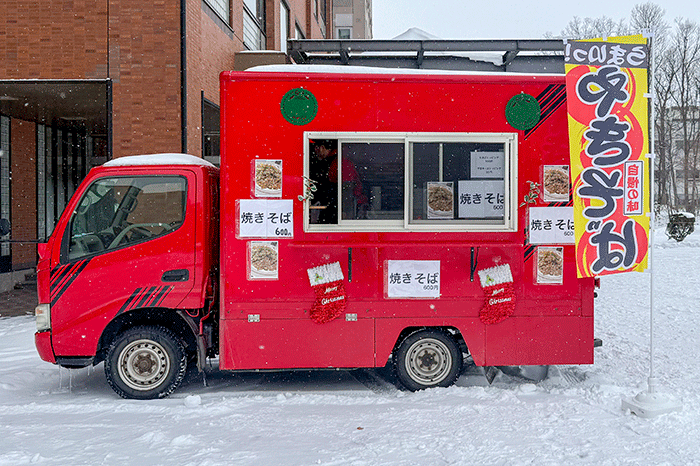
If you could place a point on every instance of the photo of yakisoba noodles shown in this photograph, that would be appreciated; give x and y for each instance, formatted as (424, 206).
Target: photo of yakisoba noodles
(550, 263)
(556, 182)
(440, 198)
(264, 258)
(268, 176)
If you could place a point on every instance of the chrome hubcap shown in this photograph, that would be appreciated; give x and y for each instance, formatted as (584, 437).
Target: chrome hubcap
(428, 361)
(143, 365)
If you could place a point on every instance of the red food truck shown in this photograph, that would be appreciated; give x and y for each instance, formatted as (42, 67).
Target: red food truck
(358, 220)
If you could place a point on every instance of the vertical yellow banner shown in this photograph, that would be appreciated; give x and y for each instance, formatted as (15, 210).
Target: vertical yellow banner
(606, 85)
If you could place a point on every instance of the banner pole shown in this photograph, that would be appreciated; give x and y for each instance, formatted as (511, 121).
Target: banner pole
(651, 403)
(652, 213)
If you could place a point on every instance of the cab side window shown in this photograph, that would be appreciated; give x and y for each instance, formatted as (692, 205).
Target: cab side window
(121, 211)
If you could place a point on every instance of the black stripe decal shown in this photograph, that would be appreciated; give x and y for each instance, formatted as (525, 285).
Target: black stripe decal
(528, 248)
(550, 100)
(153, 298)
(147, 296)
(58, 274)
(553, 97)
(75, 271)
(163, 293)
(133, 296)
(529, 252)
(66, 274)
(550, 109)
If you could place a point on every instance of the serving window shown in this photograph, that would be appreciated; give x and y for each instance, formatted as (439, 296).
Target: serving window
(410, 181)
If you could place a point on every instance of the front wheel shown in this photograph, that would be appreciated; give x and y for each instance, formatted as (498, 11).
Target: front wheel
(428, 358)
(145, 362)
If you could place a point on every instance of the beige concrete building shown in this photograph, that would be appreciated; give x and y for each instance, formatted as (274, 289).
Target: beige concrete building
(352, 19)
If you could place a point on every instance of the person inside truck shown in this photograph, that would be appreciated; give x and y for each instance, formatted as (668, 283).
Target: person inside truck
(324, 173)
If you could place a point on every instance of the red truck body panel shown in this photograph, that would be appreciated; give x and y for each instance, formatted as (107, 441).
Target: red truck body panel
(550, 324)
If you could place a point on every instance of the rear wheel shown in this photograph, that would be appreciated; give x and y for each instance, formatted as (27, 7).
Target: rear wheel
(145, 362)
(428, 358)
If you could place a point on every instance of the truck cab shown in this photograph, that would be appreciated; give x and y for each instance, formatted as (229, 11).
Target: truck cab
(134, 249)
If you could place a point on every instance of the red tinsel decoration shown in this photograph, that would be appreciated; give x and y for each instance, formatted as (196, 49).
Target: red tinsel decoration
(330, 302)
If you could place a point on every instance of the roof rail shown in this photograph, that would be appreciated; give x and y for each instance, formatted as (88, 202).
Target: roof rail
(497, 55)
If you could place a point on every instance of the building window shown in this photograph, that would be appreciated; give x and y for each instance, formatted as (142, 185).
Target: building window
(298, 33)
(210, 132)
(344, 33)
(221, 7)
(254, 24)
(5, 251)
(62, 163)
(321, 5)
(322, 8)
(407, 182)
(284, 26)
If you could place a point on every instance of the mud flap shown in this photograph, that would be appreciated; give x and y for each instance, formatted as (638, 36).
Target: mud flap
(531, 373)
(490, 372)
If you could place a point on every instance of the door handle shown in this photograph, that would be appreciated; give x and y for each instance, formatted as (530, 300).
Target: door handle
(179, 275)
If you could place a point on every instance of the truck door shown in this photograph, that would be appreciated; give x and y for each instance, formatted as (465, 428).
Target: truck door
(129, 244)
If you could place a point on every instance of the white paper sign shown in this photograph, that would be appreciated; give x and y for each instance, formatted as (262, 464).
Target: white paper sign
(413, 279)
(265, 218)
(480, 199)
(552, 225)
(487, 164)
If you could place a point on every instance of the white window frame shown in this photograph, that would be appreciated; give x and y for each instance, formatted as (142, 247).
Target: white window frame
(284, 25)
(510, 179)
(510, 220)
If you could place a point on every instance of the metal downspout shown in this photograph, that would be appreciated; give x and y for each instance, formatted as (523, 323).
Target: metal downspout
(183, 75)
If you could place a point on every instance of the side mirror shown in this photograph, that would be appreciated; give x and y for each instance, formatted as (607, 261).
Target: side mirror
(4, 226)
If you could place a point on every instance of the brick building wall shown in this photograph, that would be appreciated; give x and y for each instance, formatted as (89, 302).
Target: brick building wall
(144, 45)
(56, 39)
(23, 192)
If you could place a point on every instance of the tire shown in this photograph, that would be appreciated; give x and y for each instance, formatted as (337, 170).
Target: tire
(145, 363)
(428, 358)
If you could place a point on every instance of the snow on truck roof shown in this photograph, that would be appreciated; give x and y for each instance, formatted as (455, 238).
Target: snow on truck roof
(157, 159)
(349, 69)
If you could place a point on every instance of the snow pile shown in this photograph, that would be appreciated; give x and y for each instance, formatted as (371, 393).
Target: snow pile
(56, 417)
(415, 34)
(158, 159)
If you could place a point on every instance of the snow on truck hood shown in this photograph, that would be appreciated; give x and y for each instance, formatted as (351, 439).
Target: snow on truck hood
(157, 159)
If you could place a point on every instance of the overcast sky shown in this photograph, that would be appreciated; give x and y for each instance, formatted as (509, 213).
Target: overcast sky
(504, 19)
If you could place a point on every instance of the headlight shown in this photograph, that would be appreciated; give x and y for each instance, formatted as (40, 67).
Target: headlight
(43, 317)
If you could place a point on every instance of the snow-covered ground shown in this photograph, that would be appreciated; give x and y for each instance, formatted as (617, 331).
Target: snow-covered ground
(58, 417)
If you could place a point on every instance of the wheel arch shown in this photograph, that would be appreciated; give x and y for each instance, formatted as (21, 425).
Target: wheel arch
(452, 331)
(178, 322)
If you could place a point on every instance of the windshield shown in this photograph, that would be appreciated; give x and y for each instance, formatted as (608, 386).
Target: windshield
(116, 212)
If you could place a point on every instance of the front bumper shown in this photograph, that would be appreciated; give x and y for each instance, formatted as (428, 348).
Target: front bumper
(42, 340)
